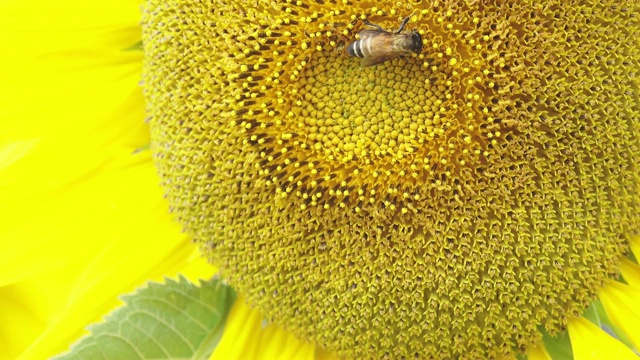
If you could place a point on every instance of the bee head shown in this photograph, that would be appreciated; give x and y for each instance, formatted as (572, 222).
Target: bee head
(416, 42)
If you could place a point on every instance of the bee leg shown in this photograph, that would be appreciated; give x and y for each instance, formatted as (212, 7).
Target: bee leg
(366, 22)
(404, 22)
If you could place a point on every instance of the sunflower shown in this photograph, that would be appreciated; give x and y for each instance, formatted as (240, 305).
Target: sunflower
(450, 203)
(348, 205)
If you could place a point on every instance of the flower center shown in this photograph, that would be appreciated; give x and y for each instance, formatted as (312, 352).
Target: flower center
(378, 138)
(445, 204)
(380, 113)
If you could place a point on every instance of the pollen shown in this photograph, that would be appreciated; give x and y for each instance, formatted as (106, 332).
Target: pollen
(445, 205)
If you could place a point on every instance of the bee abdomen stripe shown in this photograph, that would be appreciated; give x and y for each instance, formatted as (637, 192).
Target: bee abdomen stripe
(350, 49)
(357, 47)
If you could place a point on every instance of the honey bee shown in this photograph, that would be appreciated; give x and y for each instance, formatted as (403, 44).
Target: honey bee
(377, 46)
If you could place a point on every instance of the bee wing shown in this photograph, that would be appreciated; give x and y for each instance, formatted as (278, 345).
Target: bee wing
(369, 33)
(384, 49)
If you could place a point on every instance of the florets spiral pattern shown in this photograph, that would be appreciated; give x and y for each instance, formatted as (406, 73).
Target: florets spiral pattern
(438, 205)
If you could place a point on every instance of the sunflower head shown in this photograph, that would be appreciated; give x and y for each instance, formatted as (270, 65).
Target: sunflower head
(441, 204)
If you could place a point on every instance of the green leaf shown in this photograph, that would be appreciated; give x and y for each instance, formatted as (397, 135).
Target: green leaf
(135, 47)
(559, 346)
(175, 320)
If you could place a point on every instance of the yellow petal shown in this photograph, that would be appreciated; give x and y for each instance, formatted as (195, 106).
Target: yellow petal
(71, 95)
(538, 352)
(245, 337)
(20, 324)
(622, 304)
(11, 152)
(72, 257)
(71, 76)
(635, 246)
(630, 272)
(66, 31)
(590, 342)
(44, 163)
(83, 219)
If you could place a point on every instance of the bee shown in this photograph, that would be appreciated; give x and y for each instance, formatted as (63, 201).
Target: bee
(377, 46)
